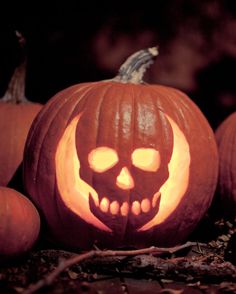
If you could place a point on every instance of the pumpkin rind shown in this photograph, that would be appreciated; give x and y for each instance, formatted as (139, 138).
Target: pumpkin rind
(19, 224)
(15, 123)
(122, 116)
(226, 141)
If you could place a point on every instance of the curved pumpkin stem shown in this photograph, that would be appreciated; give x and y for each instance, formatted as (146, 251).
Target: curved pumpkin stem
(15, 92)
(133, 69)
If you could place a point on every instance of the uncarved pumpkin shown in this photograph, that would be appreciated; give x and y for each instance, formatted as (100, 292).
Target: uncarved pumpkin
(16, 116)
(226, 141)
(121, 162)
(19, 224)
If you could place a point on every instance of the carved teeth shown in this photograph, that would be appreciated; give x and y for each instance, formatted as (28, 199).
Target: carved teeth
(124, 209)
(155, 198)
(136, 207)
(114, 207)
(145, 205)
(104, 204)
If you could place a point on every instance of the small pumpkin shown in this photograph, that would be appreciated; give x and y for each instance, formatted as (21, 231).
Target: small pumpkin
(16, 116)
(121, 162)
(19, 224)
(226, 141)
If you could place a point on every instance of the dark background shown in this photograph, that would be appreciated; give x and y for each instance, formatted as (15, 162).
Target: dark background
(83, 41)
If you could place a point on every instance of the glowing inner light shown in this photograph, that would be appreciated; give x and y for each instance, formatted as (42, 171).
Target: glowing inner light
(145, 205)
(102, 159)
(124, 179)
(136, 209)
(147, 159)
(124, 209)
(73, 190)
(104, 205)
(173, 190)
(114, 207)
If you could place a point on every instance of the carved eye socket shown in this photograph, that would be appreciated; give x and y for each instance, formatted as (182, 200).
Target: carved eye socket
(102, 159)
(147, 159)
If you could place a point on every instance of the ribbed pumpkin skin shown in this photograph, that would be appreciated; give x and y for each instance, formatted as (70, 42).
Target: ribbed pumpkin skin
(226, 141)
(15, 122)
(105, 106)
(19, 224)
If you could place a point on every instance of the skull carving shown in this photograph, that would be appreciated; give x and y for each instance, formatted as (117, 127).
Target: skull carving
(128, 181)
(113, 185)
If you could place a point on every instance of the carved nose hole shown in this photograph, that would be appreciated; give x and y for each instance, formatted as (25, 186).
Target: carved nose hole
(124, 180)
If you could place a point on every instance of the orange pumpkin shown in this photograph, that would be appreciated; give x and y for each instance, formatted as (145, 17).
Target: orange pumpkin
(226, 141)
(120, 162)
(16, 116)
(19, 224)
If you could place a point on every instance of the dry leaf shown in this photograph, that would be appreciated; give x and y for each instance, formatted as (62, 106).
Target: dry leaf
(73, 275)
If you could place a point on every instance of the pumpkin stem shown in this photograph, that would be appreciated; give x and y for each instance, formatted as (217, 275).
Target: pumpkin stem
(133, 69)
(15, 92)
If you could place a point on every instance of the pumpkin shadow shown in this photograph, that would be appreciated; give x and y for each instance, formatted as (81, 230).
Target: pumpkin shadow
(16, 181)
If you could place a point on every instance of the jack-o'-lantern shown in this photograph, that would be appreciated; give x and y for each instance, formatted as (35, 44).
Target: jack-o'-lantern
(120, 162)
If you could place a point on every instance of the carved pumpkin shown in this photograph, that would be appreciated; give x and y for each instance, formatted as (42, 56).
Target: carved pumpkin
(19, 223)
(16, 116)
(120, 162)
(226, 141)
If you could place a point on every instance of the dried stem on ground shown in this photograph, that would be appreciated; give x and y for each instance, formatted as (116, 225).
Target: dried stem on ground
(64, 264)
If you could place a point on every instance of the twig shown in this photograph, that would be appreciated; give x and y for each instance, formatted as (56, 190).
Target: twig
(64, 264)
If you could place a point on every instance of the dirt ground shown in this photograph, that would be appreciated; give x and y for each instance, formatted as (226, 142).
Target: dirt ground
(206, 266)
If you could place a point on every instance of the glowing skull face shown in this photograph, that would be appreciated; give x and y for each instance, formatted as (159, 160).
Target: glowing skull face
(128, 183)
(126, 171)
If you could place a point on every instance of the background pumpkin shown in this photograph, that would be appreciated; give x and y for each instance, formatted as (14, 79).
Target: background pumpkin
(16, 116)
(19, 223)
(85, 169)
(226, 141)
